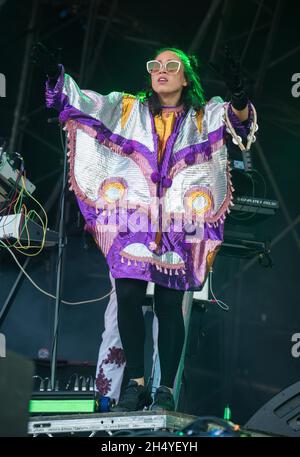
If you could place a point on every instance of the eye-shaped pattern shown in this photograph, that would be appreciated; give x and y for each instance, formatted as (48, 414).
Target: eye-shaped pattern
(199, 201)
(113, 190)
(94, 164)
(209, 176)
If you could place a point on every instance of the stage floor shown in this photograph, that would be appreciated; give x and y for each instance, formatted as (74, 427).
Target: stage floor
(93, 423)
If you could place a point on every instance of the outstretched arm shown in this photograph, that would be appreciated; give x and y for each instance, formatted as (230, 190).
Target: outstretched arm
(64, 95)
(233, 78)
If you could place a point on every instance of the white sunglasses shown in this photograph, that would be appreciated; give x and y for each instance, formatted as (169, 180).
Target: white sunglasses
(172, 66)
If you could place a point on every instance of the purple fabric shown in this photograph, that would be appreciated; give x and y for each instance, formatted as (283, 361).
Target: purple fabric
(54, 89)
(88, 212)
(56, 99)
(217, 135)
(155, 177)
(189, 153)
(59, 101)
(214, 233)
(190, 158)
(128, 148)
(172, 241)
(241, 128)
(167, 182)
(148, 272)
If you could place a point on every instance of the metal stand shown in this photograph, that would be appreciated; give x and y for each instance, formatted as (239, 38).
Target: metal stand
(61, 245)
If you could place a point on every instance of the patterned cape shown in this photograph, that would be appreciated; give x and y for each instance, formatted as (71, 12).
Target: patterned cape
(127, 198)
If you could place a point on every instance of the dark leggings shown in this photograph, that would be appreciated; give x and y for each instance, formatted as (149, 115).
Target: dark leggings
(131, 294)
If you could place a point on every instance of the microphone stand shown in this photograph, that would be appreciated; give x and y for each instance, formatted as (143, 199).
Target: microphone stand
(61, 246)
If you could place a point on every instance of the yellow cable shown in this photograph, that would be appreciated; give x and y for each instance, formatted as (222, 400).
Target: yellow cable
(27, 217)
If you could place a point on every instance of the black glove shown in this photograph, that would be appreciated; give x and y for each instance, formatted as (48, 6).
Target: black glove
(232, 76)
(231, 72)
(46, 59)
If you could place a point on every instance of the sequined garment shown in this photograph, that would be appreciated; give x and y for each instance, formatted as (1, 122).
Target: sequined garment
(127, 195)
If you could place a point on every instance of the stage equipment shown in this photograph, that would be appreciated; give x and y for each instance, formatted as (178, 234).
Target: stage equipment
(94, 423)
(255, 205)
(14, 227)
(279, 416)
(10, 176)
(15, 391)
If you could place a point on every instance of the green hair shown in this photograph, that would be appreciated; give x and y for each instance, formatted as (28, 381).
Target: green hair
(192, 95)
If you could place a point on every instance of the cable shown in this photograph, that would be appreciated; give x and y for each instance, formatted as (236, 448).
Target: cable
(29, 216)
(15, 202)
(220, 303)
(11, 196)
(47, 293)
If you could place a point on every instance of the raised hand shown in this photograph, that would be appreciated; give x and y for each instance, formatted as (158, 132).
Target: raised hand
(231, 72)
(46, 59)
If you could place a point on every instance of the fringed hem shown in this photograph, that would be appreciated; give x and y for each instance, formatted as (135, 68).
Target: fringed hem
(220, 216)
(71, 127)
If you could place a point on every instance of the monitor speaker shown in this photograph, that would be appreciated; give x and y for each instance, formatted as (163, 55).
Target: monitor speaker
(280, 416)
(15, 393)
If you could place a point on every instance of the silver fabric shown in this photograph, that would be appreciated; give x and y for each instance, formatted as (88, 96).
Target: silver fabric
(189, 133)
(139, 250)
(209, 174)
(212, 120)
(95, 162)
(108, 110)
(138, 126)
(214, 114)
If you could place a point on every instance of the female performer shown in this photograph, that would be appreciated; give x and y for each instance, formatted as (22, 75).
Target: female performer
(152, 180)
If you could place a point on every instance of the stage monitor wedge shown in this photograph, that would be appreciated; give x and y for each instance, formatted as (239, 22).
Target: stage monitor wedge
(280, 416)
(15, 392)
